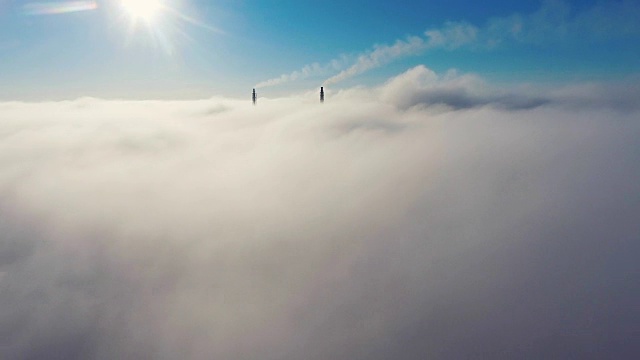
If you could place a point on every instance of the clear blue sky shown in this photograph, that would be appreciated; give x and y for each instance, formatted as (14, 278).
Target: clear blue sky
(197, 48)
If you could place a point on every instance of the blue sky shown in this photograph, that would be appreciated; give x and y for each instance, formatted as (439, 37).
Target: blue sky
(196, 49)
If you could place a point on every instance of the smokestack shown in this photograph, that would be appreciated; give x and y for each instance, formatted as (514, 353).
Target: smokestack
(321, 94)
(254, 97)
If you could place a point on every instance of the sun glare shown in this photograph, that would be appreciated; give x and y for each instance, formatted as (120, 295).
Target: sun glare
(145, 10)
(155, 22)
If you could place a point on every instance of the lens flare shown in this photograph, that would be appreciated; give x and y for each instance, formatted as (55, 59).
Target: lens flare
(54, 8)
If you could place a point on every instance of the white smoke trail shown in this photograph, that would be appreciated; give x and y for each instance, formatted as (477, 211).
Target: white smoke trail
(552, 22)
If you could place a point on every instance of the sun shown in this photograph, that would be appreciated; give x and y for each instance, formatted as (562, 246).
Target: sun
(146, 10)
(154, 22)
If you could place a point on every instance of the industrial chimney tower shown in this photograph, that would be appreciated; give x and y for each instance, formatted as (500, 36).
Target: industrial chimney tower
(321, 94)
(254, 97)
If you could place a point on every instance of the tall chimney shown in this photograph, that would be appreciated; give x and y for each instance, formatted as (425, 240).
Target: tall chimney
(321, 94)
(254, 97)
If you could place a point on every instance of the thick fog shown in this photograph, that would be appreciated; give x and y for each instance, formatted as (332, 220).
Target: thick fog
(433, 217)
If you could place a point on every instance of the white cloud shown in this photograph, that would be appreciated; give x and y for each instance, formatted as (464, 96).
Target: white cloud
(392, 222)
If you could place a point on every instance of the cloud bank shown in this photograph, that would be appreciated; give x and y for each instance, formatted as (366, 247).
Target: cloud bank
(430, 217)
(553, 22)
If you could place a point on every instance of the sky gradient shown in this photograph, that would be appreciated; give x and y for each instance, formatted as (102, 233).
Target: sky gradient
(198, 49)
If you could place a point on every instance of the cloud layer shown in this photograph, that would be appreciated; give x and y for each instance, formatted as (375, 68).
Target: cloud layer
(436, 216)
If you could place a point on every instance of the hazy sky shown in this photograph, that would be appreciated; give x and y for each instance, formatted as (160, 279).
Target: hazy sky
(196, 49)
